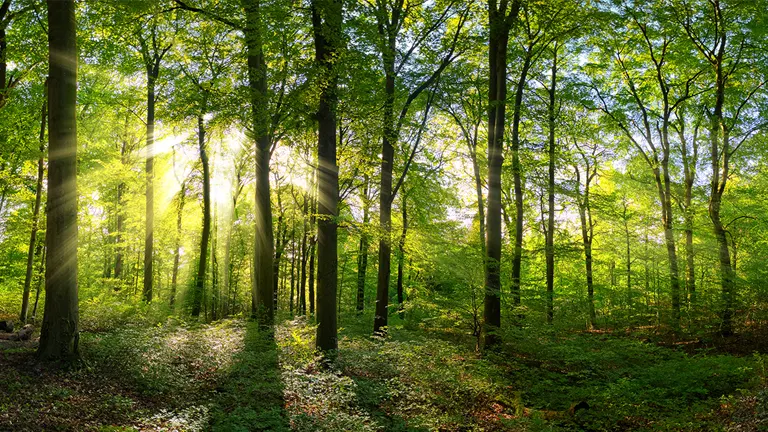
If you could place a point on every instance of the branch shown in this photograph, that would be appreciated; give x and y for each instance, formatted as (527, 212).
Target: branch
(415, 146)
(184, 6)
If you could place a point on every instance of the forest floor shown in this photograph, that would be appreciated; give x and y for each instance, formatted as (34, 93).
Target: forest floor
(229, 376)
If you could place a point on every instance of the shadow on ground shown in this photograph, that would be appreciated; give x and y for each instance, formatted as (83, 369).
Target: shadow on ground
(251, 397)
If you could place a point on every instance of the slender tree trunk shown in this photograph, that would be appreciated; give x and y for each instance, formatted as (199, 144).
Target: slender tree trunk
(120, 225)
(587, 234)
(177, 247)
(312, 243)
(362, 253)
(517, 257)
(279, 248)
(629, 264)
(293, 267)
(727, 274)
(690, 162)
(215, 294)
(150, 188)
(669, 237)
(302, 303)
(60, 331)
(41, 250)
(385, 195)
(228, 250)
(401, 258)
(36, 211)
(479, 193)
(720, 156)
(550, 241)
(327, 23)
(5, 84)
(343, 271)
(197, 297)
(263, 254)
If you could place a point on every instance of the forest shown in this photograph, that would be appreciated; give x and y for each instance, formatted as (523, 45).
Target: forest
(383, 215)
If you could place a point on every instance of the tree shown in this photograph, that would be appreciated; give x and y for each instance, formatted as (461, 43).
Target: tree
(501, 18)
(153, 46)
(644, 113)
(585, 165)
(36, 211)
(59, 334)
(726, 46)
(393, 25)
(327, 26)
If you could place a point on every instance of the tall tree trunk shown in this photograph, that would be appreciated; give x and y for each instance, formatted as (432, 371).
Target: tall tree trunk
(478, 192)
(36, 211)
(5, 85)
(587, 228)
(257, 80)
(293, 267)
(279, 247)
(312, 243)
(628, 259)
(401, 257)
(362, 253)
(550, 241)
(327, 23)
(197, 297)
(59, 333)
(500, 22)
(517, 256)
(727, 273)
(177, 246)
(669, 237)
(150, 188)
(215, 293)
(690, 162)
(385, 193)
(120, 224)
(302, 303)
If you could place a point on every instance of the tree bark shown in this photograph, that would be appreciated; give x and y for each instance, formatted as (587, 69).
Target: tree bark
(587, 226)
(120, 224)
(149, 228)
(628, 250)
(293, 268)
(362, 253)
(500, 22)
(281, 232)
(197, 296)
(302, 303)
(262, 307)
(327, 23)
(41, 249)
(177, 247)
(60, 331)
(312, 246)
(385, 193)
(550, 242)
(517, 256)
(36, 210)
(401, 258)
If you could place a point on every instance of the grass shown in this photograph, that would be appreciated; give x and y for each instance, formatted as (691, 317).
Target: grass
(230, 376)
